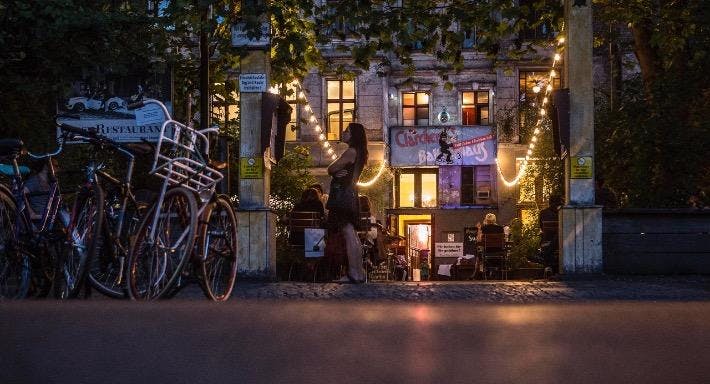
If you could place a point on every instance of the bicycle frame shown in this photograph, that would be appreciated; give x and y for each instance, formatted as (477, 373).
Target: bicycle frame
(189, 171)
(53, 203)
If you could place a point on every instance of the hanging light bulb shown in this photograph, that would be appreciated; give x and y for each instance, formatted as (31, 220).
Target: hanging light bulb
(326, 144)
(321, 137)
(308, 108)
(330, 151)
(557, 57)
(542, 112)
(545, 100)
(536, 88)
(537, 131)
(312, 119)
(319, 129)
(561, 40)
(301, 95)
(532, 145)
(529, 152)
(334, 157)
(553, 73)
(534, 139)
(549, 87)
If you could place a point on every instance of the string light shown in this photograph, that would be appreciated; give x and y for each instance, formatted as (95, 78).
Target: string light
(324, 139)
(548, 90)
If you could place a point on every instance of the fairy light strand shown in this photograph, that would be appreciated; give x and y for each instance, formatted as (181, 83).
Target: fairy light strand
(323, 139)
(542, 112)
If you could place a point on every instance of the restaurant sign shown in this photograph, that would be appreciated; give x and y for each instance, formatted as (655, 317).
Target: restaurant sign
(442, 145)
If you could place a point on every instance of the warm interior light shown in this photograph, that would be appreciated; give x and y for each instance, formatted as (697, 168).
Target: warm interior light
(536, 89)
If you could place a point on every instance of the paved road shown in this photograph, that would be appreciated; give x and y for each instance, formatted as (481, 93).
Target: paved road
(250, 341)
(601, 330)
(635, 288)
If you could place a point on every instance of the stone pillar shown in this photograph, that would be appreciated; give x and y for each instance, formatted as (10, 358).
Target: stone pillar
(256, 222)
(580, 219)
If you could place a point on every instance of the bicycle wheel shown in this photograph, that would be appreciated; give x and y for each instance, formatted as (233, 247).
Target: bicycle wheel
(156, 262)
(218, 247)
(107, 269)
(80, 243)
(14, 261)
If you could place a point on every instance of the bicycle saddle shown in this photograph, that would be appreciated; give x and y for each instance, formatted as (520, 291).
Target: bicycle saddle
(10, 147)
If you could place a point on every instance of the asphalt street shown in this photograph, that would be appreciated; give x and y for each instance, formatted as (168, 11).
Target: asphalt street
(614, 339)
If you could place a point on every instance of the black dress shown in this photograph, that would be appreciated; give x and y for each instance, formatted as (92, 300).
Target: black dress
(343, 204)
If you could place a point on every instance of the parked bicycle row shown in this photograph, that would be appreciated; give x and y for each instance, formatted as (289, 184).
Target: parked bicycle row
(103, 236)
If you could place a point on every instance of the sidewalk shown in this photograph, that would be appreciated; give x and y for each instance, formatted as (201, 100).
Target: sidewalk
(558, 289)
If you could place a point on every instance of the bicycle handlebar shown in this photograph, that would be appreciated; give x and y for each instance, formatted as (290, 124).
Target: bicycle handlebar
(92, 136)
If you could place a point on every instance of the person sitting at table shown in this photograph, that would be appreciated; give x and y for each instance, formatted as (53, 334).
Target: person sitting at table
(309, 202)
(489, 226)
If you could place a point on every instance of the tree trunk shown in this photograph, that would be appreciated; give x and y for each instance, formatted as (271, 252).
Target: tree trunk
(648, 58)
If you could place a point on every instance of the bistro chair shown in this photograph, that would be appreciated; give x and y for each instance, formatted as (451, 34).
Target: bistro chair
(298, 222)
(494, 255)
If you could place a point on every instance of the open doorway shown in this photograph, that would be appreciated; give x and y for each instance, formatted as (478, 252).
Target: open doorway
(417, 230)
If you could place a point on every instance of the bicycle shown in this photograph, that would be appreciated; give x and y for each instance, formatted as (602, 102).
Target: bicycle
(122, 214)
(166, 237)
(49, 250)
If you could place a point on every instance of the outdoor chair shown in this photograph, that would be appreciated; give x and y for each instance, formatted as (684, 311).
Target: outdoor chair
(549, 244)
(494, 255)
(298, 222)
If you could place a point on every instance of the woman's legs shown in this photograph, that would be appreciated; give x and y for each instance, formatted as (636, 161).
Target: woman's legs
(354, 252)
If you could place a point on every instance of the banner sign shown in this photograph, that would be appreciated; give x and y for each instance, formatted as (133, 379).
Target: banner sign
(122, 131)
(442, 145)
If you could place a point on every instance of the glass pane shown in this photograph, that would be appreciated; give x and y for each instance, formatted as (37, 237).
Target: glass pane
(467, 98)
(422, 116)
(484, 116)
(422, 98)
(333, 121)
(408, 113)
(348, 90)
(291, 128)
(348, 112)
(428, 189)
(468, 116)
(482, 97)
(333, 89)
(408, 122)
(407, 99)
(406, 190)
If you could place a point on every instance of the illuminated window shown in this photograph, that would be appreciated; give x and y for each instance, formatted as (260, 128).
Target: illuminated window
(415, 108)
(475, 108)
(293, 129)
(429, 190)
(341, 106)
(417, 188)
(532, 87)
(406, 190)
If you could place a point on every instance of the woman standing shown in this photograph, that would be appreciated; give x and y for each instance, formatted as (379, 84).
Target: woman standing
(343, 206)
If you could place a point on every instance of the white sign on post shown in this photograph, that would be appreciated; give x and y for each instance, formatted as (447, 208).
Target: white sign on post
(252, 82)
(240, 38)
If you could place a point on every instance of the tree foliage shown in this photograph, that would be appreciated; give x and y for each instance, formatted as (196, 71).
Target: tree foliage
(651, 141)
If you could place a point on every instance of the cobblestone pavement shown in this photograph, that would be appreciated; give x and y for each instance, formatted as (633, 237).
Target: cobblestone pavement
(599, 288)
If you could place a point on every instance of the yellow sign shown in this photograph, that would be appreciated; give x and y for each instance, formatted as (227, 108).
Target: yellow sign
(251, 168)
(581, 167)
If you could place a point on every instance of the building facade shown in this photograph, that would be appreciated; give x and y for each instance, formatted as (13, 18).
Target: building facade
(447, 141)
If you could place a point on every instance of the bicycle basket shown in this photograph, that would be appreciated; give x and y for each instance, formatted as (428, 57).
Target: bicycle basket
(181, 158)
